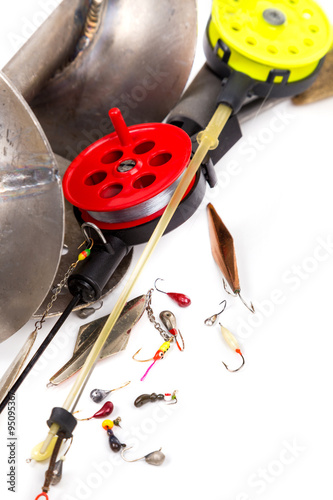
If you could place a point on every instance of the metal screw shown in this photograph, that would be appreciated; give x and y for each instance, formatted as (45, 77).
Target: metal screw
(126, 165)
(274, 17)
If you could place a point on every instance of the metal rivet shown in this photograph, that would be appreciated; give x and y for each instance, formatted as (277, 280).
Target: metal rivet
(275, 17)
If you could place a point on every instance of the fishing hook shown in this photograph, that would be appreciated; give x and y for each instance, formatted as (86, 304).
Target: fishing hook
(141, 360)
(92, 226)
(158, 279)
(153, 458)
(237, 293)
(183, 342)
(212, 319)
(236, 370)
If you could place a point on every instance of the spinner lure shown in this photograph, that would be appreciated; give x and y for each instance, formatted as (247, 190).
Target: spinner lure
(223, 251)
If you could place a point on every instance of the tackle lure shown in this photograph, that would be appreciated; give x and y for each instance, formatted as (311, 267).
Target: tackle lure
(105, 411)
(114, 442)
(223, 251)
(159, 354)
(97, 395)
(153, 458)
(180, 298)
(233, 343)
(151, 398)
(169, 321)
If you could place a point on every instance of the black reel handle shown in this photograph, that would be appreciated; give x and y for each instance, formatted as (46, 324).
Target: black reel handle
(238, 86)
(94, 272)
(193, 112)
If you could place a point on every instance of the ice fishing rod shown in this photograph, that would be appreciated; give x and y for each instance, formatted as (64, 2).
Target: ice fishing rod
(248, 66)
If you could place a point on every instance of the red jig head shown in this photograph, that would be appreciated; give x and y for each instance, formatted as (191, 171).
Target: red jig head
(181, 299)
(106, 410)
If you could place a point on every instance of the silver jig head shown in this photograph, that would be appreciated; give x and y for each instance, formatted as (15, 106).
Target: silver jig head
(169, 321)
(97, 395)
(153, 458)
(212, 319)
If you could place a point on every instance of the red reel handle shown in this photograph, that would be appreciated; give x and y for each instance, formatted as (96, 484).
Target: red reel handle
(120, 126)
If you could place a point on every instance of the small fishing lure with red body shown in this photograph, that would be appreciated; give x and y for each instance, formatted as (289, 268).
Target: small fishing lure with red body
(159, 354)
(181, 299)
(105, 411)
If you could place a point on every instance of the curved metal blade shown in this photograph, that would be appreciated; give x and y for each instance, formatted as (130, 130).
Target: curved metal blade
(138, 59)
(31, 212)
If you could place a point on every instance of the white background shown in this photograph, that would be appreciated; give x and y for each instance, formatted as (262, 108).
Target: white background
(263, 432)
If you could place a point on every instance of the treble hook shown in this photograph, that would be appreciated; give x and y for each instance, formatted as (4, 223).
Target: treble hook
(237, 293)
(153, 458)
(232, 342)
(212, 319)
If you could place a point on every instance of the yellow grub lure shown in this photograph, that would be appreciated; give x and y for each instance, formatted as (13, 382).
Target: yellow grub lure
(233, 343)
(159, 354)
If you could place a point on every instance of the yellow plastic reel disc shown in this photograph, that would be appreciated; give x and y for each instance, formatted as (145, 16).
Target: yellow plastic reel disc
(277, 34)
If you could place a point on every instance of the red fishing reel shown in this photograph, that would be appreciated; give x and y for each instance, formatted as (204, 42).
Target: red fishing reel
(124, 181)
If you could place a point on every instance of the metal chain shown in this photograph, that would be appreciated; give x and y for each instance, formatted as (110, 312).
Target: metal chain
(152, 319)
(59, 287)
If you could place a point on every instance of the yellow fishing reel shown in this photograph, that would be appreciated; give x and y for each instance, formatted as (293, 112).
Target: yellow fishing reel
(273, 48)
